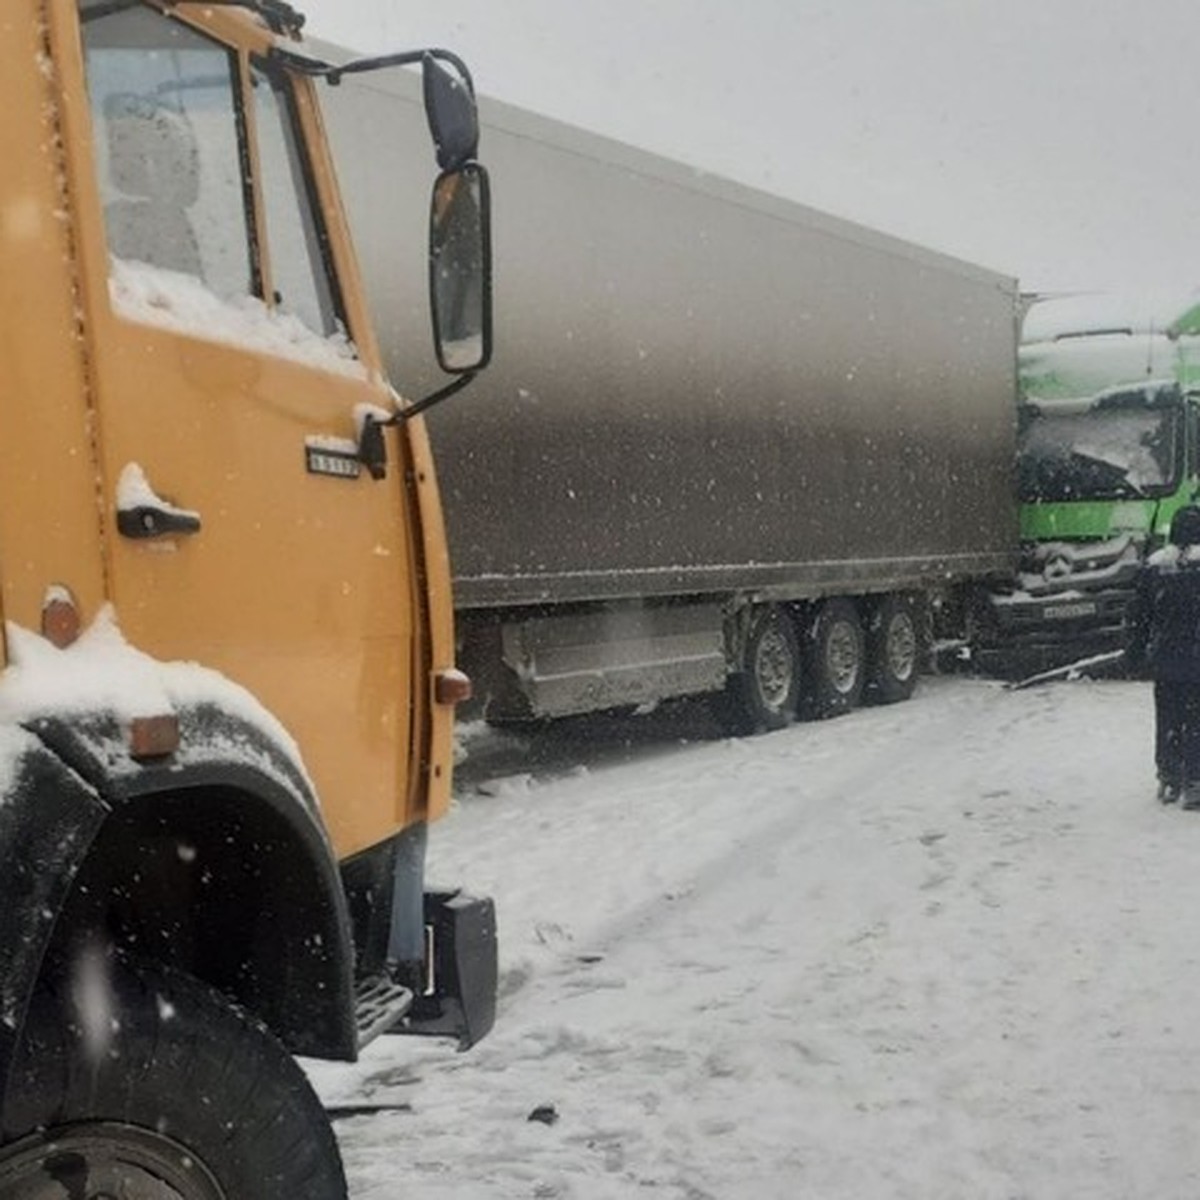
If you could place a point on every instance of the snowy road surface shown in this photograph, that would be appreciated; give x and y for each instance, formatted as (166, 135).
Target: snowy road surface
(947, 949)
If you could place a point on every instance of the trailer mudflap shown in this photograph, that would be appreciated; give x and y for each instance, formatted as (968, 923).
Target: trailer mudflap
(460, 1000)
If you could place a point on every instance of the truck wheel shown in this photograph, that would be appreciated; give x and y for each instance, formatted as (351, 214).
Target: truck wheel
(762, 696)
(147, 1084)
(893, 650)
(835, 654)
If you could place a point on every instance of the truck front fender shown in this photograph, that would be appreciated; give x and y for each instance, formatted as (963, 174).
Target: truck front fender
(213, 859)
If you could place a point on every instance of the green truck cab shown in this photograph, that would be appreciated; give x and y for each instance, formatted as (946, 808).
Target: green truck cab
(1108, 449)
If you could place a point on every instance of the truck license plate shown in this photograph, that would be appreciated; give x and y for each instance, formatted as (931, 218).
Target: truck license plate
(1064, 612)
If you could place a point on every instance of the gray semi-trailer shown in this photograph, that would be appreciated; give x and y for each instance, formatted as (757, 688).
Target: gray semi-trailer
(727, 444)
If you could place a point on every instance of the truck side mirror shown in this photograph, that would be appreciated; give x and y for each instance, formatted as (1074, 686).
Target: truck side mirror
(460, 269)
(450, 110)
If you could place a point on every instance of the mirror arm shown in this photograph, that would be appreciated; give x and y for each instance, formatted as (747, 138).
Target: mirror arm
(372, 450)
(415, 410)
(304, 64)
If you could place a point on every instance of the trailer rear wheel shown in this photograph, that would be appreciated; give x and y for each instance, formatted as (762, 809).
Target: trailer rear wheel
(893, 650)
(763, 695)
(836, 659)
(147, 1084)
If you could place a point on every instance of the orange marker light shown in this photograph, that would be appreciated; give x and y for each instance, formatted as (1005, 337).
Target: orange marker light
(451, 687)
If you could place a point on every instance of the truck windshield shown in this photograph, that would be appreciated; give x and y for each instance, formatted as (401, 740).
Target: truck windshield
(1099, 454)
(165, 112)
(178, 173)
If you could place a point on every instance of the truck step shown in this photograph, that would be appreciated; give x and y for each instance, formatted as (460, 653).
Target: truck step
(379, 1003)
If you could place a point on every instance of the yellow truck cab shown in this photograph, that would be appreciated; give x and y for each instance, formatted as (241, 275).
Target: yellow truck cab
(228, 689)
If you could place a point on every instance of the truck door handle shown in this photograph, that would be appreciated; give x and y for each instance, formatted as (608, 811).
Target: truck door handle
(149, 521)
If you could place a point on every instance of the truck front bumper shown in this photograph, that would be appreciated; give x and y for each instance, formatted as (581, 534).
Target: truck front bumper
(1031, 632)
(1051, 615)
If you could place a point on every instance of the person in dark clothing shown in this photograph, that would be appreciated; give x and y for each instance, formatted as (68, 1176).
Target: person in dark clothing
(1164, 642)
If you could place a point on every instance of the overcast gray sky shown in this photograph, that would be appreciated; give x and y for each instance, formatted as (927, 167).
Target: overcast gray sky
(1053, 140)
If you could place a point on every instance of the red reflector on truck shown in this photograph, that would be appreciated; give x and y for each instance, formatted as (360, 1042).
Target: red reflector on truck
(61, 624)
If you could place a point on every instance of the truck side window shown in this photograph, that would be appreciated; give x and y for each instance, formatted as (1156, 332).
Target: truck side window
(300, 269)
(168, 147)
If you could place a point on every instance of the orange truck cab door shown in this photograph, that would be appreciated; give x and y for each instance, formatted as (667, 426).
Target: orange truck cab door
(213, 816)
(229, 382)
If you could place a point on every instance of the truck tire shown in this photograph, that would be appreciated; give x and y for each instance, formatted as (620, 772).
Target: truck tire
(763, 695)
(156, 1086)
(835, 660)
(893, 650)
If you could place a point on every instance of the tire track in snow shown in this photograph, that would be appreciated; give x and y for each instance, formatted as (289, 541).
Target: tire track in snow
(844, 796)
(656, 963)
